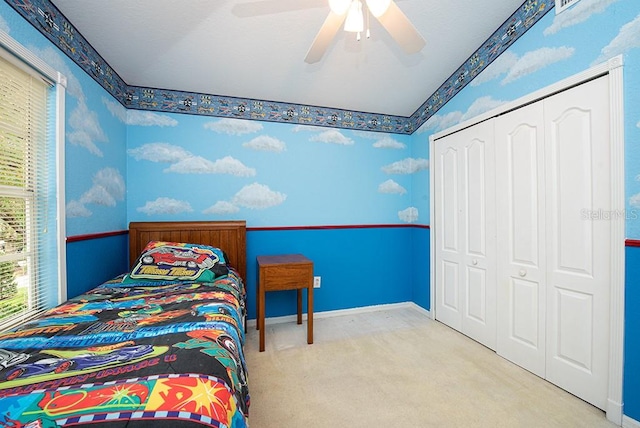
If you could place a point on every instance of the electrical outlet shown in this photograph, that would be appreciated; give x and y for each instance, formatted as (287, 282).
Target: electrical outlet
(316, 282)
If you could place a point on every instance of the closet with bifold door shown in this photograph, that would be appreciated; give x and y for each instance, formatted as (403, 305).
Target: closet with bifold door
(521, 265)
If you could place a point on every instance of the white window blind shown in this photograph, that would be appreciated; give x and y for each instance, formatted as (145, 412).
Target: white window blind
(28, 284)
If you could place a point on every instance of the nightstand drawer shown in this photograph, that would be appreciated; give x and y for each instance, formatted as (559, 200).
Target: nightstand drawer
(287, 277)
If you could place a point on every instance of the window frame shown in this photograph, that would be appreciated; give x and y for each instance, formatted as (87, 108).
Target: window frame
(14, 52)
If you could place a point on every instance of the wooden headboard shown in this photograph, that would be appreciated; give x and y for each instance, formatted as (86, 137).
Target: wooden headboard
(230, 236)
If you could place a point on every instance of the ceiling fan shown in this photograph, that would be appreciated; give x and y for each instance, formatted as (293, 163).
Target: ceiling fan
(352, 13)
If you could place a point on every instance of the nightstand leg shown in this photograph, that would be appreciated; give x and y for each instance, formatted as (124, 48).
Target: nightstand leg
(310, 314)
(261, 314)
(299, 290)
(258, 300)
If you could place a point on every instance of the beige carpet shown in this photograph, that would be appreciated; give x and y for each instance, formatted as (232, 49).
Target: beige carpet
(397, 368)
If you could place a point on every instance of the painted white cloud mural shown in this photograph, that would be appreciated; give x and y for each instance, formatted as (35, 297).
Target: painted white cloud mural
(254, 196)
(410, 215)
(497, 68)
(536, 60)
(627, 38)
(388, 142)
(184, 162)
(199, 165)
(577, 14)
(77, 209)
(4, 26)
(391, 186)
(634, 200)
(108, 188)
(264, 143)
(222, 207)
(116, 109)
(258, 196)
(85, 130)
(481, 105)
(159, 152)
(516, 67)
(165, 206)
(406, 166)
(137, 117)
(307, 128)
(332, 136)
(234, 126)
(439, 122)
(149, 118)
(382, 140)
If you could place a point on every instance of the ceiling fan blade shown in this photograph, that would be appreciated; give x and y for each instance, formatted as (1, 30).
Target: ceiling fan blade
(401, 29)
(268, 7)
(324, 37)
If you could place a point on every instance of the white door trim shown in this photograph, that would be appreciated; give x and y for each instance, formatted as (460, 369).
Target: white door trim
(613, 68)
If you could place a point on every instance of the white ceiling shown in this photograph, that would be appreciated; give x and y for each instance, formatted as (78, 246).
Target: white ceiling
(256, 49)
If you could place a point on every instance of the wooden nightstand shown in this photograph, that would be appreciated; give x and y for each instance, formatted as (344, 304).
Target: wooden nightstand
(284, 272)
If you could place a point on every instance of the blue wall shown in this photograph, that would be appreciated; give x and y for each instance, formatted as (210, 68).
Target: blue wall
(93, 261)
(420, 267)
(632, 335)
(359, 266)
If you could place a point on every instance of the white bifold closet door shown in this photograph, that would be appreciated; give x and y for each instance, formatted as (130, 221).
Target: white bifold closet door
(553, 184)
(522, 238)
(466, 291)
(578, 188)
(521, 249)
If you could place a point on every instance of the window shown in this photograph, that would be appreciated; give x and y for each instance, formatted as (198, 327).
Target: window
(31, 276)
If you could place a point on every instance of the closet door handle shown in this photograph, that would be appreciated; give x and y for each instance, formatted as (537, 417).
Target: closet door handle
(475, 262)
(523, 272)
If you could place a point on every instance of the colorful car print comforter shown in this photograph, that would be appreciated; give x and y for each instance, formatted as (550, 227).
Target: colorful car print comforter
(135, 355)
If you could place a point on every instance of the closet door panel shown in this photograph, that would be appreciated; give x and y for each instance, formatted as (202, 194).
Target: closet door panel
(571, 172)
(448, 242)
(524, 313)
(449, 181)
(478, 215)
(520, 237)
(450, 294)
(578, 192)
(465, 242)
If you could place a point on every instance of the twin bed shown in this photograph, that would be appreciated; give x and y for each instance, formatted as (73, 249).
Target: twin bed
(160, 345)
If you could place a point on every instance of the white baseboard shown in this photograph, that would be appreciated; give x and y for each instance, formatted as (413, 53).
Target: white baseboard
(627, 422)
(417, 307)
(341, 312)
(613, 410)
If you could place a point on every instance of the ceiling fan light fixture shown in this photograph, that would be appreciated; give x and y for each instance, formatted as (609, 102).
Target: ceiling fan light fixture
(339, 7)
(355, 20)
(378, 7)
